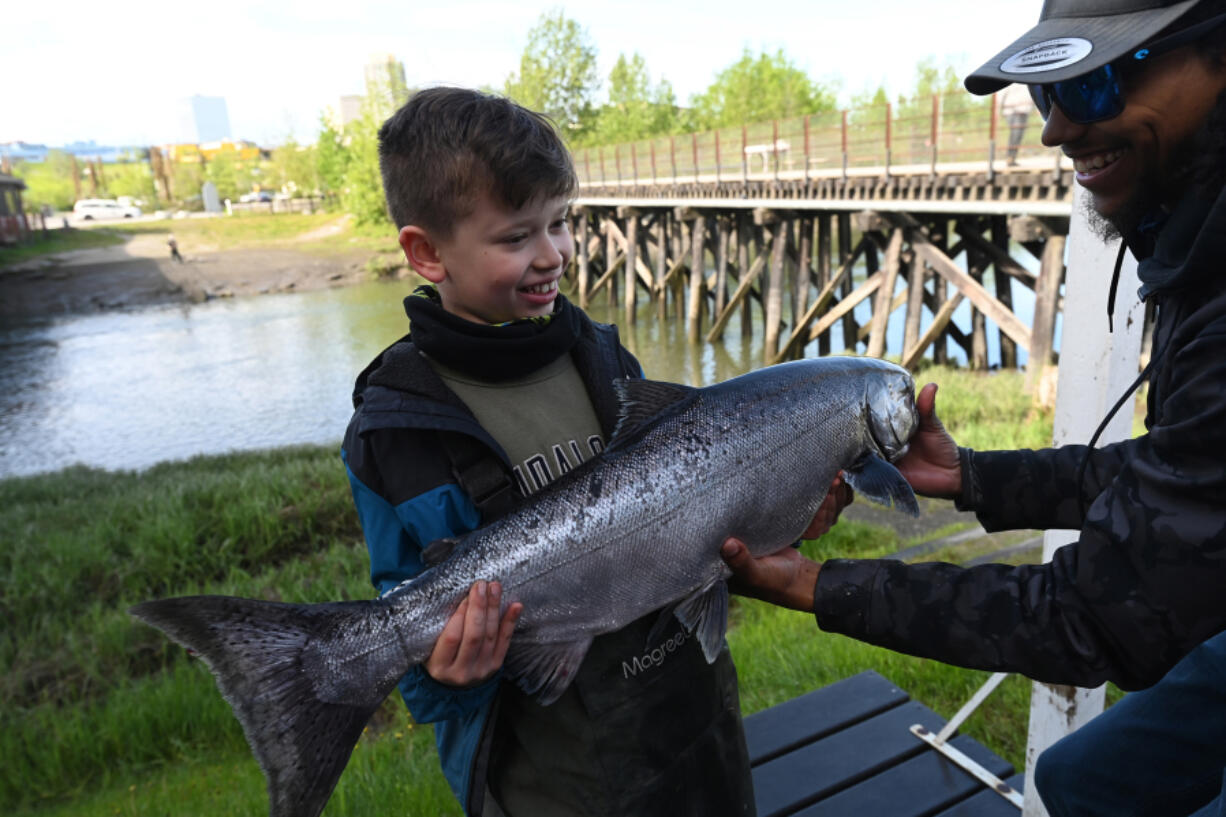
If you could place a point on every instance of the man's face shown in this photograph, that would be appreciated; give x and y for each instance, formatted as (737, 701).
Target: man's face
(502, 264)
(1129, 164)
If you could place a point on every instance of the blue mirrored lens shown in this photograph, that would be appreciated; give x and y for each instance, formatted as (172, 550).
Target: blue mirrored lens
(1090, 97)
(1038, 94)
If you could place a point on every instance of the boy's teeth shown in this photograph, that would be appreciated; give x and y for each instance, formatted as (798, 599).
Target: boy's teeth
(1097, 161)
(542, 289)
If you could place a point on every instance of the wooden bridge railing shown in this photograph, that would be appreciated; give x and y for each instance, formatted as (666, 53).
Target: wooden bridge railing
(911, 136)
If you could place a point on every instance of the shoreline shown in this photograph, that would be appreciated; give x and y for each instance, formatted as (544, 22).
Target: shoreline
(140, 273)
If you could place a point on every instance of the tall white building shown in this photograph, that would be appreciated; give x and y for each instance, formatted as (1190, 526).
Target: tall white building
(202, 119)
(385, 79)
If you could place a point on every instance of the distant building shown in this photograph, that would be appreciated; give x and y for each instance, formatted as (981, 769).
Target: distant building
(385, 79)
(202, 119)
(350, 109)
(25, 151)
(190, 152)
(29, 152)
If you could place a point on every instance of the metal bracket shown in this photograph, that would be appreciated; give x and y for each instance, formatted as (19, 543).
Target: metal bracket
(939, 740)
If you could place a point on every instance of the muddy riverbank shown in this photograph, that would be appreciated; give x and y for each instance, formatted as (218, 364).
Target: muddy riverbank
(140, 273)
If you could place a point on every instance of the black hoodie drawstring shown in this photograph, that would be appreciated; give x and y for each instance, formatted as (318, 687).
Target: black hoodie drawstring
(1115, 283)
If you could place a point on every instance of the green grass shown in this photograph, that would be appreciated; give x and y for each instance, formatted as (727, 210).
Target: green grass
(57, 241)
(257, 230)
(104, 716)
(987, 410)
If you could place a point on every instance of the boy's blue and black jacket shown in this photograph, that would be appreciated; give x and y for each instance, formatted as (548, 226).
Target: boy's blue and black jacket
(399, 451)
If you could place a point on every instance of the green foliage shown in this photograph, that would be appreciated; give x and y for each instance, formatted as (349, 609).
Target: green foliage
(361, 183)
(330, 157)
(232, 174)
(47, 182)
(756, 89)
(557, 73)
(133, 179)
(636, 108)
(293, 168)
(50, 181)
(186, 180)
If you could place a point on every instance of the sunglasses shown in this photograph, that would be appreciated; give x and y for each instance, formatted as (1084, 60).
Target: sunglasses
(1099, 94)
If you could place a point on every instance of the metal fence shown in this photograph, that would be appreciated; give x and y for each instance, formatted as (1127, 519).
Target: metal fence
(906, 137)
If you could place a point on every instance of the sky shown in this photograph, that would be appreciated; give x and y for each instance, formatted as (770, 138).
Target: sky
(114, 72)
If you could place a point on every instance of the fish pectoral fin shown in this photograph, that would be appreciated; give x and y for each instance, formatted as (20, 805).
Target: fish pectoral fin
(705, 613)
(438, 551)
(545, 670)
(663, 622)
(881, 482)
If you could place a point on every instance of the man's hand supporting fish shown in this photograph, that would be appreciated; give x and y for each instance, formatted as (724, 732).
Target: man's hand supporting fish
(789, 579)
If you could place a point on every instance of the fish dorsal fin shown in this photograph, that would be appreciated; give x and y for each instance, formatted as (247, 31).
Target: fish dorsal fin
(705, 614)
(881, 482)
(642, 401)
(545, 670)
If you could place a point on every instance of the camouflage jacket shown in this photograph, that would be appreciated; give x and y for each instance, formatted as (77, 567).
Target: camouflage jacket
(1146, 580)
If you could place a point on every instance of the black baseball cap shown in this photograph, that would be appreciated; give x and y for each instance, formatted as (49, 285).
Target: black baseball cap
(1074, 37)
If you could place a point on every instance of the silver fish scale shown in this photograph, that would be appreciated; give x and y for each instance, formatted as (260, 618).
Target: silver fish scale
(640, 527)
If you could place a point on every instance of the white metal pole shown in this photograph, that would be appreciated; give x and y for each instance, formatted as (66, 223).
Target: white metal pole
(1096, 368)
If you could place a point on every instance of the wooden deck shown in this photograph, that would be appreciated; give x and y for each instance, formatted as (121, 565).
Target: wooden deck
(845, 751)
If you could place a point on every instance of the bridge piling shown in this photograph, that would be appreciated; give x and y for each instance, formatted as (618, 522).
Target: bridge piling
(811, 238)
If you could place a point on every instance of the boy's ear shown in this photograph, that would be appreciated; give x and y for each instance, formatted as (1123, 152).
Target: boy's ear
(422, 254)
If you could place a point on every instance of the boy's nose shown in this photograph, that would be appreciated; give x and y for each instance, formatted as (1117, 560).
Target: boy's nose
(549, 255)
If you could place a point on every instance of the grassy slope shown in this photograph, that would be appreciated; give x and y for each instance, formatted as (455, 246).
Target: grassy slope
(322, 233)
(104, 717)
(58, 241)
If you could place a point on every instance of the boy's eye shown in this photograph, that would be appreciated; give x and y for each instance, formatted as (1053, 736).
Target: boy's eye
(516, 238)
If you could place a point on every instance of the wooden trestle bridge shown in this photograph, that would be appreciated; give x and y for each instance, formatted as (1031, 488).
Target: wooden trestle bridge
(802, 220)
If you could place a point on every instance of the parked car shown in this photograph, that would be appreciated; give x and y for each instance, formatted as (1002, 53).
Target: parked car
(258, 195)
(89, 209)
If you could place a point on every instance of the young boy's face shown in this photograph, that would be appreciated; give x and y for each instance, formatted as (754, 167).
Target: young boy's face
(501, 264)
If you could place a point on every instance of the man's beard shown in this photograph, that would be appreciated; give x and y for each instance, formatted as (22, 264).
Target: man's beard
(1199, 162)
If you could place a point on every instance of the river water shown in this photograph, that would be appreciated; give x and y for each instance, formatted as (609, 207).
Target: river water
(125, 390)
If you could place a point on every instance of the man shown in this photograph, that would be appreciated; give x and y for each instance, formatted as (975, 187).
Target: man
(1015, 107)
(1134, 92)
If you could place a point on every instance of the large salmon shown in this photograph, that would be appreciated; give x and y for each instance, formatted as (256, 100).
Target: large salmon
(636, 529)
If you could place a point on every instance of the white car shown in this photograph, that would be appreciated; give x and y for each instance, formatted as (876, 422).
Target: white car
(89, 209)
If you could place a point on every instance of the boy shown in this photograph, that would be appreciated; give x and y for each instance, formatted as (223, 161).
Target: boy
(501, 386)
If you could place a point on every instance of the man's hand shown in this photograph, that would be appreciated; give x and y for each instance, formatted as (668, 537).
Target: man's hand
(786, 578)
(474, 641)
(931, 463)
(837, 498)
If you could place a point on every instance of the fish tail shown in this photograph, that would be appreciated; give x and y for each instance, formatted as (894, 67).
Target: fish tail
(264, 655)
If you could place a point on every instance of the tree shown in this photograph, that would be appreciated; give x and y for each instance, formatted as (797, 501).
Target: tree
(330, 157)
(754, 89)
(557, 73)
(636, 109)
(362, 184)
(292, 168)
(233, 175)
(48, 182)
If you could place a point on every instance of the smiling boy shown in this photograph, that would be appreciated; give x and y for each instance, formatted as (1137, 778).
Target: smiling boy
(501, 386)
